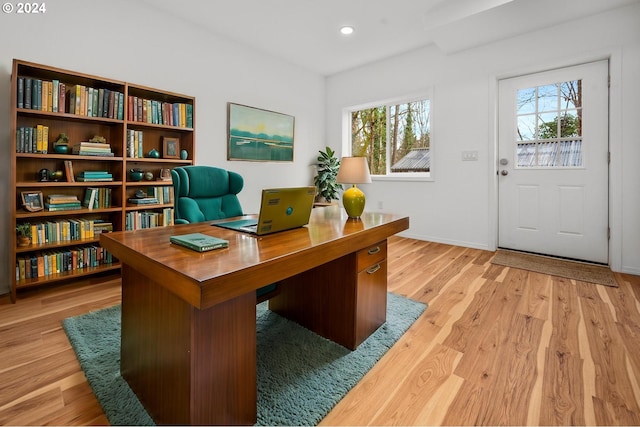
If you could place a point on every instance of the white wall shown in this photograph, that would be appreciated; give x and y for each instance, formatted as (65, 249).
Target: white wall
(460, 205)
(118, 40)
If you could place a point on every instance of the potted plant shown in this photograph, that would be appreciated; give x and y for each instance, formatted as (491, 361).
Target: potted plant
(325, 180)
(24, 234)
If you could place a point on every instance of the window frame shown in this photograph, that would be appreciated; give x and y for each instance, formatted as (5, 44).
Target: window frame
(393, 176)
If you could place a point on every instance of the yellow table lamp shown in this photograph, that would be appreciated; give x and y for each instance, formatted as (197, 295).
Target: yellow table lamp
(353, 170)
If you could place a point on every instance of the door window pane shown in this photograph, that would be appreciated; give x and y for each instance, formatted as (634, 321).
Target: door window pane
(549, 119)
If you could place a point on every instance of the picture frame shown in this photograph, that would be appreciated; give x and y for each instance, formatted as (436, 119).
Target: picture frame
(254, 134)
(170, 148)
(32, 200)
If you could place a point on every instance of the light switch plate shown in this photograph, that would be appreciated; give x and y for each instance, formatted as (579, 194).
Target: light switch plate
(470, 156)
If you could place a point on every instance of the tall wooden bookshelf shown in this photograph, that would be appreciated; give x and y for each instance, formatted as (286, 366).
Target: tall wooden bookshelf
(164, 120)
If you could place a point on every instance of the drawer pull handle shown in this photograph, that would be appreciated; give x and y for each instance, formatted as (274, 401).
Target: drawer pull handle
(374, 250)
(373, 269)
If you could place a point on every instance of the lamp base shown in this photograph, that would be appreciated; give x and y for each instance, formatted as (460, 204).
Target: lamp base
(353, 201)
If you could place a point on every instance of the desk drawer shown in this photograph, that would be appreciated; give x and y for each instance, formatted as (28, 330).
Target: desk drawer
(373, 254)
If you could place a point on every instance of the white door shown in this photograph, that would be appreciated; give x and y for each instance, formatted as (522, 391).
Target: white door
(553, 162)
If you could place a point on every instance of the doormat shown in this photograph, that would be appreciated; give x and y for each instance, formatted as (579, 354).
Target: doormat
(584, 272)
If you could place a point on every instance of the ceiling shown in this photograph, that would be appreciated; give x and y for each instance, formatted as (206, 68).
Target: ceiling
(306, 32)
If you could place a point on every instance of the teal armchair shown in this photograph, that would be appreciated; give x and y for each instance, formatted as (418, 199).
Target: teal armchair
(205, 193)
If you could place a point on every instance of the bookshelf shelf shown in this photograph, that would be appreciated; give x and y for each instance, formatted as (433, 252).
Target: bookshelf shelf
(175, 162)
(68, 157)
(58, 277)
(149, 183)
(47, 246)
(29, 184)
(149, 206)
(47, 102)
(74, 212)
(66, 116)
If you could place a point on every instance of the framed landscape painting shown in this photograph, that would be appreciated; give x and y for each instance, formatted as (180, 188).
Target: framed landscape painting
(255, 134)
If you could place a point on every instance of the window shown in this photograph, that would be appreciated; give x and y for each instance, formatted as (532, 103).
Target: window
(549, 123)
(394, 136)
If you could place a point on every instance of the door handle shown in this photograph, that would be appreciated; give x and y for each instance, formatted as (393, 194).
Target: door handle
(504, 172)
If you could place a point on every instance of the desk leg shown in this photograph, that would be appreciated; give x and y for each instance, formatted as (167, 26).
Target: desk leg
(335, 300)
(188, 366)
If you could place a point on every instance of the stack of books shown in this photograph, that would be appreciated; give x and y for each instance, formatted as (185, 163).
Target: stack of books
(92, 149)
(95, 176)
(62, 202)
(101, 226)
(143, 201)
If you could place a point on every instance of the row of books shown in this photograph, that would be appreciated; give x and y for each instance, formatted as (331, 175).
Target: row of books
(43, 95)
(32, 139)
(97, 197)
(160, 113)
(58, 97)
(134, 143)
(137, 220)
(164, 193)
(91, 102)
(45, 263)
(68, 230)
(99, 149)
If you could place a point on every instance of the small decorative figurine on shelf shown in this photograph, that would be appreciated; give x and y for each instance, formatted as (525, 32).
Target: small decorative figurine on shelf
(56, 175)
(153, 154)
(99, 139)
(61, 145)
(43, 175)
(165, 175)
(136, 174)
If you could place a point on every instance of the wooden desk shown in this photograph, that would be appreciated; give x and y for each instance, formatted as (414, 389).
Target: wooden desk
(188, 319)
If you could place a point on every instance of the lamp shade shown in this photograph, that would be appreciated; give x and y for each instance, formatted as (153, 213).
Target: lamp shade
(353, 170)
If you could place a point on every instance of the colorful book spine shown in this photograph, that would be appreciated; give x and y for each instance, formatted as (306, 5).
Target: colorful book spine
(48, 263)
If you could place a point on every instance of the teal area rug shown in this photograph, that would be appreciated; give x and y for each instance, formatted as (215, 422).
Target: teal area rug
(301, 376)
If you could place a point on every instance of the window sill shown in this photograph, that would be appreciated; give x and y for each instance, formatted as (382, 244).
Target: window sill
(405, 178)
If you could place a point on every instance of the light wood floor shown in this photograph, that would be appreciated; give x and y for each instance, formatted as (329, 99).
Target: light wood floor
(497, 346)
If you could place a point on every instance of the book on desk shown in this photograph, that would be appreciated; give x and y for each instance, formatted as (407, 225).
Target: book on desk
(199, 242)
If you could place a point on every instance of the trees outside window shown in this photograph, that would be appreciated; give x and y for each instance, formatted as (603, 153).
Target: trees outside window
(395, 137)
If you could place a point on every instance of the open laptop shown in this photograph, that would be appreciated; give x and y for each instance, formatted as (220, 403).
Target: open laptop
(280, 209)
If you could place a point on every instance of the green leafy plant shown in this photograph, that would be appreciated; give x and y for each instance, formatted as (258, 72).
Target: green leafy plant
(24, 229)
(325, 180)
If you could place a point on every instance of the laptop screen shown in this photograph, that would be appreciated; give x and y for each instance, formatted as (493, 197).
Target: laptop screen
(280, 209)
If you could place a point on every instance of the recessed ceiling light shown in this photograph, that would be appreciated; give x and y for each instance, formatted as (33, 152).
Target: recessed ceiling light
(346, 30)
